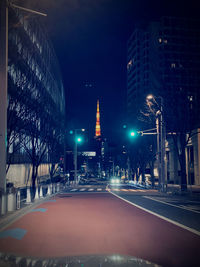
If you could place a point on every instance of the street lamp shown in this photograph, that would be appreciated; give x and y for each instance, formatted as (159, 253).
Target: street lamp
(77, 139)
(161, 137)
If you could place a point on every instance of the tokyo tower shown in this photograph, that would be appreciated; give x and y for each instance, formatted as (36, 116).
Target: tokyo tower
(98, 128)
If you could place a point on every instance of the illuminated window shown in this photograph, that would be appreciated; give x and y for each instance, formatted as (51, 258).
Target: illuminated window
(173, 65)
(165, 41)
(130, 64)
(160, 40)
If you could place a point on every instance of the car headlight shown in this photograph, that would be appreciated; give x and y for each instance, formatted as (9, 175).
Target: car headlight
(112, 181)
(117, 181)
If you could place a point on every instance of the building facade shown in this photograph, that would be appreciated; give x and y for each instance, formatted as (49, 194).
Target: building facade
(163, 59)
(36, 101)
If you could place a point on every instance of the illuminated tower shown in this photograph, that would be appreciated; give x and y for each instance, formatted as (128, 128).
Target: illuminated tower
(98, 128)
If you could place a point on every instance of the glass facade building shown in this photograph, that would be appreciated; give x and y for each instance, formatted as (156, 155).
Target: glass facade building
(36, 100)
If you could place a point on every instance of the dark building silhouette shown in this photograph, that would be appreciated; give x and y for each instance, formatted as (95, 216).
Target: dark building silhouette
(163, 59)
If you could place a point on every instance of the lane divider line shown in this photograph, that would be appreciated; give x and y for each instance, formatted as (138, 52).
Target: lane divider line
(159, 216)
(173, 205)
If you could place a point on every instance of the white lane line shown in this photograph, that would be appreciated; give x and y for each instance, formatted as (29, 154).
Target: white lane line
(159, 216)
(99, 189)
(72, 190)
(132, 190)
(167, 203)
(82, 189)
(91, 189)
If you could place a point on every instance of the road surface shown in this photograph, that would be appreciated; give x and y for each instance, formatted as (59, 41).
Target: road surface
(96, 222)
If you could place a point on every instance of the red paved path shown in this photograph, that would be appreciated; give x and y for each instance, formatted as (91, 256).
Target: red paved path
(101, 224)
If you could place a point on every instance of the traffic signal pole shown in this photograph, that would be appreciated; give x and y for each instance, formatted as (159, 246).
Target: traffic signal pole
(75, 157)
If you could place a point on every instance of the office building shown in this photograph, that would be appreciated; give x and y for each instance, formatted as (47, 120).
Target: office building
(163, 59)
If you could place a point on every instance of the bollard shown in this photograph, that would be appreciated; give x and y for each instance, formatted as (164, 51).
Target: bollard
(18, 200)
(58, 187)
(49, 190)
(53, 188)
(3, 202)
(36, 194)
(41, 192)
(28, 195)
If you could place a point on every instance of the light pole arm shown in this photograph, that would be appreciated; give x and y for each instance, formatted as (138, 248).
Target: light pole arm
(28, 10)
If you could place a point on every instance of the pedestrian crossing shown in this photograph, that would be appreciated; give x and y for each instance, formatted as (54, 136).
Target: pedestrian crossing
(132, 190)
(99, 190)
(84, 189)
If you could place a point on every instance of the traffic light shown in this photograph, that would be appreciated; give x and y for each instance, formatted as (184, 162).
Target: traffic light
(79, 139)
(133, 133)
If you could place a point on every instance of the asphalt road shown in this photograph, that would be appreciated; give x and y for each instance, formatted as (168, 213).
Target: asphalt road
(95, 223)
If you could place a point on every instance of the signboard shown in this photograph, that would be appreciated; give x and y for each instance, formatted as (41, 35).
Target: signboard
(89, 153)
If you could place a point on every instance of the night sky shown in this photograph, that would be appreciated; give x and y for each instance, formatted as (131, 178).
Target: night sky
(89, 37)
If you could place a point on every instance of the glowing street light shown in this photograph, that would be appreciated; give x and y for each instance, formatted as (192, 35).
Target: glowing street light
(161, 137)
(77, 140)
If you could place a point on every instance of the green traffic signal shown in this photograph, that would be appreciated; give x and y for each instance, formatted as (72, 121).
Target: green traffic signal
(79, 139)
(133, 133)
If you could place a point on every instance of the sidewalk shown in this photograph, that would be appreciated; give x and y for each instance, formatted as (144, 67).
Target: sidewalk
(10, 217)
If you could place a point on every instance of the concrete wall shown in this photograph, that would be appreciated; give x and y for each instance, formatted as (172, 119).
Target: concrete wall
(20, 174)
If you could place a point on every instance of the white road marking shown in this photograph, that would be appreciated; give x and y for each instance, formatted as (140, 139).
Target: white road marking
(132, 190)
(159, 216)
(99, 189)
(74, 189)
(82, 189)
(173, 205)
(91, 189)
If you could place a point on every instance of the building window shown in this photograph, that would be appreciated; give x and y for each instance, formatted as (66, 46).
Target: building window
(130, 64)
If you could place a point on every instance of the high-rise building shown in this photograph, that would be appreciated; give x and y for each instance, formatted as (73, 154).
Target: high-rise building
(164, 59)
(36, 101)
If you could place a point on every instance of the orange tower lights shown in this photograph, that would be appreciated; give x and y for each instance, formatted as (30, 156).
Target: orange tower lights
(98, 127)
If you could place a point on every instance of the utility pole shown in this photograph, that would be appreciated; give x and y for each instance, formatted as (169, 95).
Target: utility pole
(158, 150)
(75, 156)
(3, 91)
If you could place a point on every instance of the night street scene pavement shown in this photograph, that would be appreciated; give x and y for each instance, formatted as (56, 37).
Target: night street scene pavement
(102, 225)
(99, 133)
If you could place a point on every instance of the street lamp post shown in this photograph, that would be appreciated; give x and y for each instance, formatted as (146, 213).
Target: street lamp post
(161, 137)
(3, 91)
(76, 140)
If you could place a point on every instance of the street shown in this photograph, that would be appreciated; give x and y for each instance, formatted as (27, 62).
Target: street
(90, 220)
